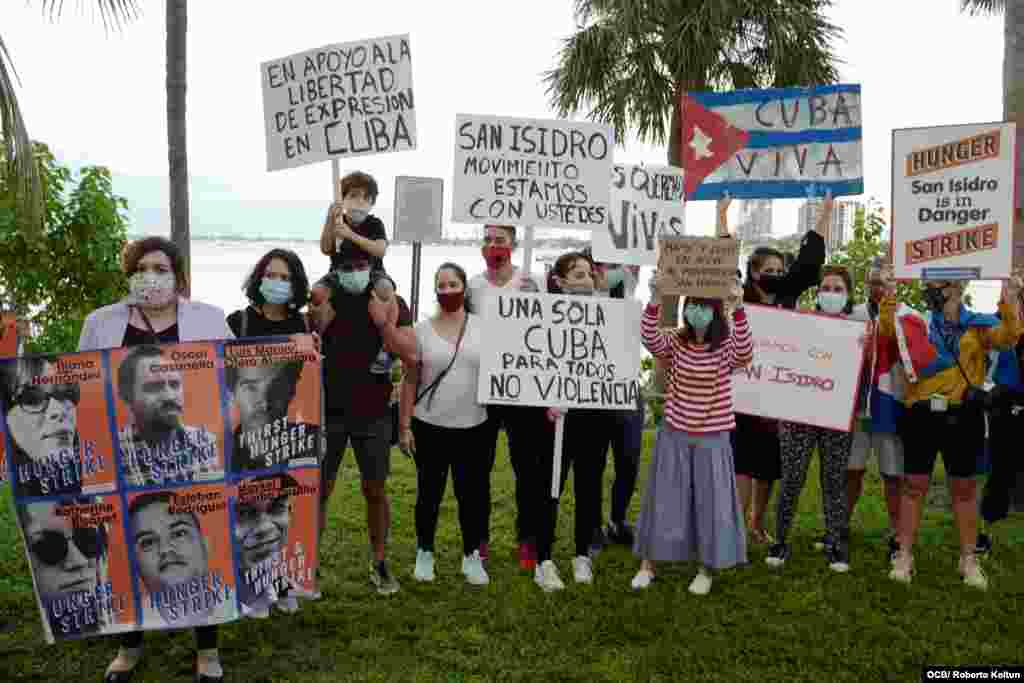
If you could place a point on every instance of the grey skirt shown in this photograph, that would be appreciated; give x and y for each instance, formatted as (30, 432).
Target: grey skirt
(690, 508)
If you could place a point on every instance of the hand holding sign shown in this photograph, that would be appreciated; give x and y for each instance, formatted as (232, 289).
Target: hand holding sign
(1014, 286)
(723, 215)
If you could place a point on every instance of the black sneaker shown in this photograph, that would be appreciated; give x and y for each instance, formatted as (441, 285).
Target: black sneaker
(838, 555)
(620, 533)
(821, 544)
(894, 547)
(777, 555)
(598, 542)
(983, 546)
(382, 578)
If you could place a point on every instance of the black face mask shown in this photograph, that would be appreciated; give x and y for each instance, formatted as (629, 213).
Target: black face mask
(935, 299)
(770, 284)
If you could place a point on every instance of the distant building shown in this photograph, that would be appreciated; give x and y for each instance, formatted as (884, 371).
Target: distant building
(755, 219)
(841, 230)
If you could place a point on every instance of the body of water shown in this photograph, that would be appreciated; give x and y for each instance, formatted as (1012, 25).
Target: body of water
(220, 266)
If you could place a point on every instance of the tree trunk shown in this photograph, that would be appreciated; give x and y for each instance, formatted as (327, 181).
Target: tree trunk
(177, 149)
(670, 304)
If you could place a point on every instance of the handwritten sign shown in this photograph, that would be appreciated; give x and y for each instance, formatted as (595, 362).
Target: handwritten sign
(952, 199)
(418, 208)
(560, 351)
(775, 143)
(343, 100)
(699, 266)
(646, 203)
(806, 368)
(531, 172)
(231, 450)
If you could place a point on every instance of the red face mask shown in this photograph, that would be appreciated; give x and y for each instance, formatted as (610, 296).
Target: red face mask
(496, 256)
(451, 301)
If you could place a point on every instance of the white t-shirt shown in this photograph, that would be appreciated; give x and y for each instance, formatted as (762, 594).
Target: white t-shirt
(454, 403)
(479, 286)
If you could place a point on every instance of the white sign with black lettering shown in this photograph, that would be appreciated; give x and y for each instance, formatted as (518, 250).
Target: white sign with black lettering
(560, 351)
(646, 203)
(531, 172)
(343, 100)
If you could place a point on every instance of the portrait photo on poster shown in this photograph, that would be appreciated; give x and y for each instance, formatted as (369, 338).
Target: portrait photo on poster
(342, 100)
(274, 392)
(181, 556)
(274, 531)
(76, 552)
(164, 438)
(56, 420)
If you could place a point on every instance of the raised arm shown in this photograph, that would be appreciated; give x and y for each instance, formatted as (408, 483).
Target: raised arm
(327, 238)
(1005, 336)
(741, 348)
(655, 340)
(722, 224)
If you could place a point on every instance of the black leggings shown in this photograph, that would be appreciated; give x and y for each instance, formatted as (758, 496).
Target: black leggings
(529, 437)
(206, 638)
(1004, 430)
(464, 452)
(585, 443)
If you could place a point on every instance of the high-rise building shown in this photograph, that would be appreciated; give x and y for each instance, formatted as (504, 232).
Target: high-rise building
(843, 216)
(755, 219)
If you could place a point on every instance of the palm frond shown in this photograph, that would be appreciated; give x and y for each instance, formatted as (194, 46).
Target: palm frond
(19, 165)
(114, 13)
(976, 7)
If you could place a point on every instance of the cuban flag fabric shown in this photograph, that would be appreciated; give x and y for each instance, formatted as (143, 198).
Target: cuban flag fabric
(773, 143)
(926, 348)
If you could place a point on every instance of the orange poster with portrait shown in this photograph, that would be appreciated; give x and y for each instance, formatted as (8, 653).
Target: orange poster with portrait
(180, 549)
(57, 424)
(169, 420)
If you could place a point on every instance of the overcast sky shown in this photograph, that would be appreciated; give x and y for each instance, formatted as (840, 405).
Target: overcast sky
(100, 99)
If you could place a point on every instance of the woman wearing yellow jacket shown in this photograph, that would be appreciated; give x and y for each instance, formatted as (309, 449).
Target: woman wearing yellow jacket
(944, 356)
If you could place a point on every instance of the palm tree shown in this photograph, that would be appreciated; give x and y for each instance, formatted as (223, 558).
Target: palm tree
(630, 61)
(177, 151)
(15, 143)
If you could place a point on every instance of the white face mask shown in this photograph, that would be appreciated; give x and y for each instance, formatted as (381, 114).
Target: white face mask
(152, 290)
(832, 303)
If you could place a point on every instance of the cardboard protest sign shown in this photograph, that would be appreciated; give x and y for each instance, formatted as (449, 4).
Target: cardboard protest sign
(342, 100)
(134, 466)
(952, 201)
(531, 172)
(699, 266)
(560, 351)
(806, 368)
(646, 203)
(774, 143)
(419, 204)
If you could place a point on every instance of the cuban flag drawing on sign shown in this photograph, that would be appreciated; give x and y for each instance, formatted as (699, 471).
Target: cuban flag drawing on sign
(771, 144)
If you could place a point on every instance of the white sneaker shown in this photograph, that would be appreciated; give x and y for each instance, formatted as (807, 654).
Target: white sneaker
(701, 584)
(546, 576)
(424, 566)
(971, 571)
(642, 580)
(473, 570)
(582, 569)
(902, 567)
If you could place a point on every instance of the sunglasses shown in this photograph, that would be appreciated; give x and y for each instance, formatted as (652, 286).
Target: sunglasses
(52, 547)
(35, 399)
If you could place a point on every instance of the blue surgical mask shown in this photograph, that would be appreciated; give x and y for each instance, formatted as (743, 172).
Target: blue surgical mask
(354, 281)
(832, 303)
(615, 277)
(276, 291)
(357, 216)
(699, 317)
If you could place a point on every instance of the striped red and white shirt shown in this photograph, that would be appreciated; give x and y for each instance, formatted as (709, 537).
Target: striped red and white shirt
(699, 397)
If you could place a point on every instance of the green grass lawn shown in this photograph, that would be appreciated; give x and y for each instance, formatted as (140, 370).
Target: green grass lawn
(802, 624)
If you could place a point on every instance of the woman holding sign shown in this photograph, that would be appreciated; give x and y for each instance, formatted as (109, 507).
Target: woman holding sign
(586, 438)
(947, 401)
(444, 426)
(690, 508)
(799, 442)
(756, 440)
(156, 312)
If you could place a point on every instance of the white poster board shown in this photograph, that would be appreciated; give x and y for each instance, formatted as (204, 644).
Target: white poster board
(806, 368)
(531, 172)
(952, 201)
(560, 351)
(646, 203)
(342, 100)
(419, 206)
